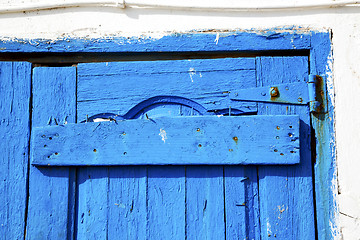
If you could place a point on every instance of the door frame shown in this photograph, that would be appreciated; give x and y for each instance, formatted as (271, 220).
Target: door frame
(314, 44)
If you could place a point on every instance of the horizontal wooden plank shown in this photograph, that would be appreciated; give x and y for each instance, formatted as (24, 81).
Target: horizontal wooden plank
(206, 41)
(161, 67)
(188, 84)
(170, 141)
(102, 86)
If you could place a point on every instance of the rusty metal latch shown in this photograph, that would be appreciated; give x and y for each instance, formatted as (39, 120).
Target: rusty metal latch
(296, 93)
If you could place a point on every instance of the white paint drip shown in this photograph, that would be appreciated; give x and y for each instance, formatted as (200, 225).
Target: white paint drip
(217, 38)
(162, 134)
(268, 227)
(192, 72)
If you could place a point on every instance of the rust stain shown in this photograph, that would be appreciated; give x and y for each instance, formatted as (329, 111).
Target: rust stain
(320, 95)
(235, 139)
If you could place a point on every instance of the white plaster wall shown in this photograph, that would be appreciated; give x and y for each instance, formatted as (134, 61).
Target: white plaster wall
(344, 22)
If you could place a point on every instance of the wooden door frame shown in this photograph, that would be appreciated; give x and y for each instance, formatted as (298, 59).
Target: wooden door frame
(316, 45)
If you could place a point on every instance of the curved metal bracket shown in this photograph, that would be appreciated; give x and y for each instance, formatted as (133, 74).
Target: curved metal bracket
(136, 110)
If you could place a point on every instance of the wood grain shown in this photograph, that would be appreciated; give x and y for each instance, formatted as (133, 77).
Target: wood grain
(101, 86)
(164, 141)
(15, 87)
(286, 192)
(51, 190)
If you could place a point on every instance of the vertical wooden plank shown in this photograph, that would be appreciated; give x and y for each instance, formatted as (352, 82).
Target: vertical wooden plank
(165, 186)
(15, 80)
(51, 205)
(241, 197)
(205, 202)
(93, 190)
(241, 202)
(325, 174)
(166, 202)
(127, 203)
(286, 192)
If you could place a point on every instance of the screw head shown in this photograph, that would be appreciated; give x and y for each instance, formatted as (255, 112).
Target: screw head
(274, 92)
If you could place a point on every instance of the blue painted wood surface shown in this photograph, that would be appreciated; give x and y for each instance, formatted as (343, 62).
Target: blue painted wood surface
(127, 202)
(51, 190)
(286, 193)
(205, 202)
(175, 196)
(15, 87)
(92, 199)
(190, 42)
(163, 141)
(196, 202)
(205, 81)
(166, 202)
(241, 202)
(318, 44)
(321, 63)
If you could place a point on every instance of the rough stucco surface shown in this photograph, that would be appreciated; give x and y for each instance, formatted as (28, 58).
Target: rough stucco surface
(344, 23)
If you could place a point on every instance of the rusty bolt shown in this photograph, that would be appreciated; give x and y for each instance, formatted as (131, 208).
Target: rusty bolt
(274, 92)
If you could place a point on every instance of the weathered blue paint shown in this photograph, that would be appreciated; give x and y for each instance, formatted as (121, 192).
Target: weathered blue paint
(286, 192)
(158, 141)
(242, 203)
(51, 199)
(323, 124)
(205, 202)
(166, 202)
(319, 46)
(15, 88)
(127, 204)
(185, 42)
(102, 86)
(92, 202)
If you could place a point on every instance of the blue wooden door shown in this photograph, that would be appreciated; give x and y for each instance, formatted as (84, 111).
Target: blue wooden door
(150, 200)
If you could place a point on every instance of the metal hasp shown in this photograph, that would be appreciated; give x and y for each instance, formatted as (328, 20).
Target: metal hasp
(296, 93)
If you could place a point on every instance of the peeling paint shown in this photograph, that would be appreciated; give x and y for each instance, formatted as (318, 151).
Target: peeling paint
(162, 134)
(328, 177)
(217, 38)
(192, 72)
(268, 228)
